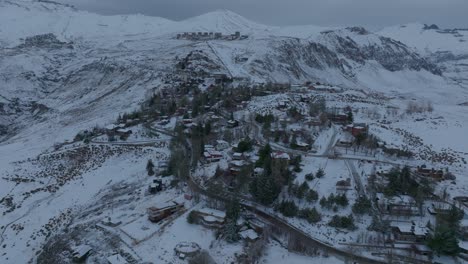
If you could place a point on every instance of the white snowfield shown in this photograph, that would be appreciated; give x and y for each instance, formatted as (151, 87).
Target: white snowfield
(429, 40)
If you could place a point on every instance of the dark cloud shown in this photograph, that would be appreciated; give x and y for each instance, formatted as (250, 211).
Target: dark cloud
(369, 13)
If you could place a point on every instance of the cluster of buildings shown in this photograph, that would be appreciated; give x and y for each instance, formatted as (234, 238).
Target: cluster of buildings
(249, 230)
(210, 36)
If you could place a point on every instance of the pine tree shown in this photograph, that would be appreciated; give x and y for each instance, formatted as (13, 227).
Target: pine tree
(320, 173)
(150, 168)
(350, 117)
(444, 241)
(311, 196)
(230, 231)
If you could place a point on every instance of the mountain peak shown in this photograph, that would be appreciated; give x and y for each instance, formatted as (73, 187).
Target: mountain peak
(222, 20)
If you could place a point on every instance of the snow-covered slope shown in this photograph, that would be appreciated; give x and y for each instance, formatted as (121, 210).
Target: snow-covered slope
(429, 39)
(447, 48)
(223, 21)
(20, 19)
(80, 64)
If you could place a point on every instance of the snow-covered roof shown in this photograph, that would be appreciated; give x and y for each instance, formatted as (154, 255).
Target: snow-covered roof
(116, 259)
(81, 251)
(249, 233)
(213, 152)
(404, 227)
(402, 199)
(258, 170)
(123, 130)
(187, 247)
(210, 218)
(420, 230)
(111, 126)
(238, 163)
(280, 155)
(209, 147)
(213, 212)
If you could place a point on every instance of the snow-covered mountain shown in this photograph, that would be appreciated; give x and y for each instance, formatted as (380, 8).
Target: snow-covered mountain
(85, 67)
(447, 48)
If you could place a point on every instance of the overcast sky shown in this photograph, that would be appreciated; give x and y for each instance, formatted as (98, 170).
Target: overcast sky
(369, 13)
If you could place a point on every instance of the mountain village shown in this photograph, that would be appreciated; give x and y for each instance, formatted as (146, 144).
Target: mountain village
(207, 164)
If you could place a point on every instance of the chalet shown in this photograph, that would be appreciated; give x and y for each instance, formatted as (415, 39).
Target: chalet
(439, 208)
(155, 186)
(163, 165)
(402, 205)
(232, 123)
(343, 185)
(282, 105)
(357, 129)
(408, 231)
(236, 166)
(164, 122)
(313, 122)
(237, 156)
(258, 171)
(345, 142)
(212, 155)
(280, 156)
(219, 77)
(210, 218)
(80, 253)
(185, 250)
(249, 235)
(431, 173)
(299, 88)
(156, 214)
(397, 205)
(221, 145)
(402, 231)
(215, 118)
(123, 131)
(208, 146)
(187, 122)
(302, 146)
(341, 119)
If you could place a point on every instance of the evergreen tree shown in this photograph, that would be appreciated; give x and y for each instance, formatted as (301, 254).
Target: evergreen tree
(150, 168)
(311, 215)
(309, 176)
(302, 190)
(230, 231)
(288, 208)
(444, 241)
(350, 117)
(207, 128)
(362, 206)
(342, 200)
(320, 173)
(312, 196)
